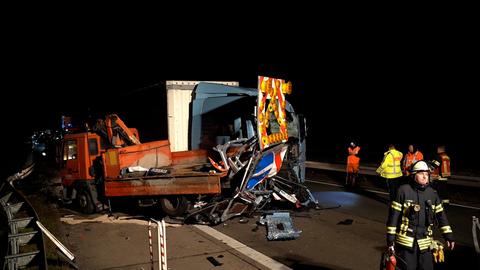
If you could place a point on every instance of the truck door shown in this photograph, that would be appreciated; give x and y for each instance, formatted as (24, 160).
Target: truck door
(302, 148)
(70, 158)
(93, 167)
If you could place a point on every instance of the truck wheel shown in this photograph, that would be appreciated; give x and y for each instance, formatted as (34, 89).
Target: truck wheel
(174, 205)
(85, 202)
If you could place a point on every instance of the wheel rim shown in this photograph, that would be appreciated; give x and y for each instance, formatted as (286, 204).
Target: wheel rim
(82, 201)
(172, 203)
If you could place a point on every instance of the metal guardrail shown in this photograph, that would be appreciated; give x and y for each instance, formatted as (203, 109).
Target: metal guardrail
(459, 180)
(25, 246)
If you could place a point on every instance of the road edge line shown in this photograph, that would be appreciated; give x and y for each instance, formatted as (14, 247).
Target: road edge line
(245, 250)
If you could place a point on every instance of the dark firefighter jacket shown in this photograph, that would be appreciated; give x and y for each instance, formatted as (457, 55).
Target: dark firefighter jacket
(413, 215)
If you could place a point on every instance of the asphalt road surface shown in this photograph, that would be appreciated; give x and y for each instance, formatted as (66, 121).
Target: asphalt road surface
(347, 232)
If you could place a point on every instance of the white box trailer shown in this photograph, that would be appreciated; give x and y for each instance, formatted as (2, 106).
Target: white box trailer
(179, 97)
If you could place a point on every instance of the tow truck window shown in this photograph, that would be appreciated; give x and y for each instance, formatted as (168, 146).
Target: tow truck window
(103, 143)
(92, 147)
(70, 150)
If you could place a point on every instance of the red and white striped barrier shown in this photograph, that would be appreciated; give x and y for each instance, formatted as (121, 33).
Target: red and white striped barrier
(150, 245)
(161, 241)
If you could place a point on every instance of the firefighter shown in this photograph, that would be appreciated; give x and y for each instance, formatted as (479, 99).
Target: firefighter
(390, 169)
(411, 220)
(441, 173)
(413, 155)
(353, 164)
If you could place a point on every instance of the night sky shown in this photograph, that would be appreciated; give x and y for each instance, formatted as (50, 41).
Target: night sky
(366, 88)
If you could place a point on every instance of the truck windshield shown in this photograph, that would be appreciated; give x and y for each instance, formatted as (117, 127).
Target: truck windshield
(70, 150)
(292, 124)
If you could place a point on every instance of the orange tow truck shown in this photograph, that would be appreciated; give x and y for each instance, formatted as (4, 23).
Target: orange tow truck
(109, 161)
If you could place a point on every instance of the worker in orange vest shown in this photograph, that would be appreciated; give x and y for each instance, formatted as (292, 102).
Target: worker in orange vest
(441, 173)
(413, 155)
(353, 164)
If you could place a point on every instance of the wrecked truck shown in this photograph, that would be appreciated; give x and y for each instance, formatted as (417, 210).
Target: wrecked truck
(231, 151)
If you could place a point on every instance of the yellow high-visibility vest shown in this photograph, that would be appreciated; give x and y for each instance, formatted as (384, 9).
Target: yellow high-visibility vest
(391, 164)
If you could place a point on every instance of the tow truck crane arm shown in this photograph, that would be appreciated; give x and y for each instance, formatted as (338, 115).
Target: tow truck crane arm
(116, 132)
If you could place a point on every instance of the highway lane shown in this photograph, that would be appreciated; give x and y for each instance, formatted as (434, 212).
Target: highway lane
(460, 215)
(347, 233)
(328, 242)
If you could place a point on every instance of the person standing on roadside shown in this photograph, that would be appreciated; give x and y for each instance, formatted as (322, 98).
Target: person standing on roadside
(353, 164)
(413, 155)
(441, 173)
(391, 170)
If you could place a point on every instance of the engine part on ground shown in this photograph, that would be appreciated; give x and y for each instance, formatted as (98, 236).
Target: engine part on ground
(279, 226)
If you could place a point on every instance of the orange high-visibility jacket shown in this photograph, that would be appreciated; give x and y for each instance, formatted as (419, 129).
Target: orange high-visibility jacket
(353, 162)
(443, 172)
(353, 151)
(409, 159)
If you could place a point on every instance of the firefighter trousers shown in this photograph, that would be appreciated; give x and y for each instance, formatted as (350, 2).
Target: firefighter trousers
(414, 259)
(393, 184)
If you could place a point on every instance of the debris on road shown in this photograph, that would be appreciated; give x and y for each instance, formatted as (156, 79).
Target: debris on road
(279, 226)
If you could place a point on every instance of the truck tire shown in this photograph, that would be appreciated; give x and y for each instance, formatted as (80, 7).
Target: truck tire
(174, 205)
(85, 202)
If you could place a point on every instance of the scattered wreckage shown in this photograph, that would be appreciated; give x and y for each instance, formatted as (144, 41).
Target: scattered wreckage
(262, 176)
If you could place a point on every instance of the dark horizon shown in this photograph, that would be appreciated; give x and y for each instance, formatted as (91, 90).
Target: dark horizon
(394, 93)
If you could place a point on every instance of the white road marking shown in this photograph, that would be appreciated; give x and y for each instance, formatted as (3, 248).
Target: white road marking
(245, 250)
(139, 220)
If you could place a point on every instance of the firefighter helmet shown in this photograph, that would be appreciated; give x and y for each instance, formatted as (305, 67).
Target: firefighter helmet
(420, 166)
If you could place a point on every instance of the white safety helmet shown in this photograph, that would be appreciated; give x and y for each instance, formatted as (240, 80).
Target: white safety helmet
(420, 166)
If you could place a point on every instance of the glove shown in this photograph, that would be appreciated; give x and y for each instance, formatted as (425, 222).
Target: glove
(450, 244)
(437, 251)
(438, 255)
